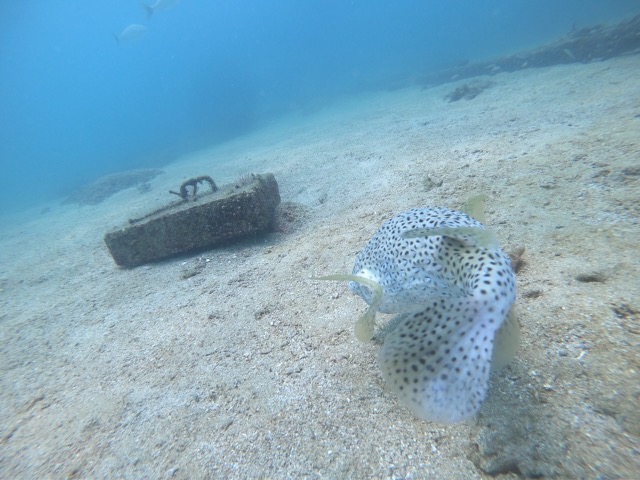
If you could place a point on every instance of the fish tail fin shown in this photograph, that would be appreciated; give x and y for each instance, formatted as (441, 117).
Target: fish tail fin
(117, 38)
(149, 9)
(438, 361)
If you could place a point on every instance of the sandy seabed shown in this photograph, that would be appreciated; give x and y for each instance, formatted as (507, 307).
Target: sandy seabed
(233, 364)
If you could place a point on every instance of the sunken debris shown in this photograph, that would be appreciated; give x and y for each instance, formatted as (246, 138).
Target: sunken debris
(216, 218)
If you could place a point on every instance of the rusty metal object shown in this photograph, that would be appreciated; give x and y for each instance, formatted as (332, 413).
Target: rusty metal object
(187, 194)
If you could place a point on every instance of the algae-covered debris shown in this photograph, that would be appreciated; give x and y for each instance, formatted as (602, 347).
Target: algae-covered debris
(187, 225)
(594, 43)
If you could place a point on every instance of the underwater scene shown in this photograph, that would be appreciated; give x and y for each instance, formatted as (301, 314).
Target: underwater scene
(326, 239)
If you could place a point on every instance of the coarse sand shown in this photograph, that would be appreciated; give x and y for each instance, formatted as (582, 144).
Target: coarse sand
(232, 363)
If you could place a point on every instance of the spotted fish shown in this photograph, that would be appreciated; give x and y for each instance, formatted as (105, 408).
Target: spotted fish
(453, 287)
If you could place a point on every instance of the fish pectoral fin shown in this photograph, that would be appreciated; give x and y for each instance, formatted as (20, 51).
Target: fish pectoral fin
(474, 207)
(366, 323)
(506, 342)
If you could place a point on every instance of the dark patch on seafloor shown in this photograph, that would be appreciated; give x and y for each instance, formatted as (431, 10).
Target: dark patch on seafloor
(98, 191)
(468, 91)
(289, 217)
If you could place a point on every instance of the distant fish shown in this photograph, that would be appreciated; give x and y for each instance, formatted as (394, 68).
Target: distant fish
(131, 33)
(159, 5)
(453, 288)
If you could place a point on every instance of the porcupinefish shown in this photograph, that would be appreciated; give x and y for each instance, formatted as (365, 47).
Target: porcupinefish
(453, 287)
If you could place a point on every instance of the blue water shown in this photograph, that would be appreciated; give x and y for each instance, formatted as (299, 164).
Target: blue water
(75, 104)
